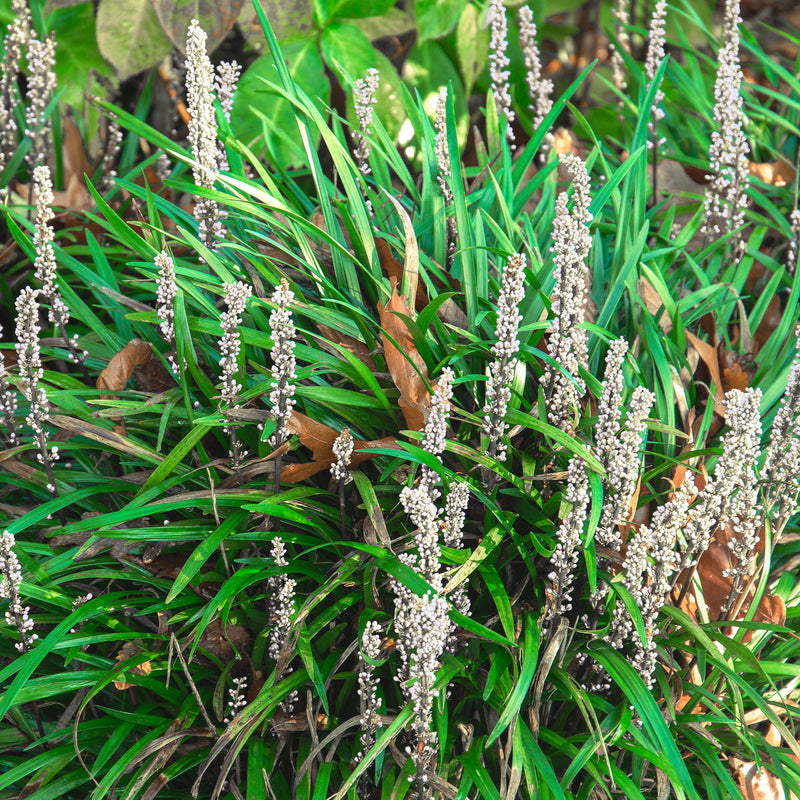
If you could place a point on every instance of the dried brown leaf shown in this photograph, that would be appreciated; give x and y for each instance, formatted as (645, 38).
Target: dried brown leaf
(118, 371)
(221, 640)
(653, 302)
(130, 650)
(404, 362)
(756, 783)
(709, 356)
(349, 343)
(774, 173)
(319, 438)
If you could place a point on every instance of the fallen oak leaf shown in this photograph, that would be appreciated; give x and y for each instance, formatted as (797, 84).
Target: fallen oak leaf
(404, 362)
(319, 438)
(116, 374)
(709, 356)
(773, 173)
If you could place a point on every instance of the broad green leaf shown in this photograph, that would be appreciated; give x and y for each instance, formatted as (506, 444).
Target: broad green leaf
(290, 19)
(254, 95)
(216, 17)
(395, 22)
(436, 18)
(78, 59)
(129, 36)
(472, 46)
(341, 9)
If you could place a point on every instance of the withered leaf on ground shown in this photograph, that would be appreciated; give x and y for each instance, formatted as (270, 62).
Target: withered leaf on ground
(319, 438)
(404, 362)
(116, 374)
(130, 650)
(221, 640)
(717, 586)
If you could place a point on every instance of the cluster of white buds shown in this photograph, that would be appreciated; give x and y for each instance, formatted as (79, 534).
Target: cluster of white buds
(794, 241)
(622, 19)
(45, 261)
(364, 99)
(441, 147)
(501, 370)
(41, 84)
(343, 450)
(726, 198)
(282, 591)
(29, 363)
(734, 472)
(452, 536)
(8, 403)
(112, 146)
(236, 297)
(166, 293)
(651, 561)
(284, 364)
(445, 175)
(781, 470)
(655, 55)
(10, 583)
(237, 698)
(225, 81)
(436, 428)
(567, 343)
(622, 465)
(569, 540)
(498, 63)
(423, 629)
(368, 686)
(203, 133)
(744, 512)
(18, 35)
(429, 627)
(540, 89)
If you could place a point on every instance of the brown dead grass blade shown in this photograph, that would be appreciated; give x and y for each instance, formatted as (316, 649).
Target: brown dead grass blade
(410, 278)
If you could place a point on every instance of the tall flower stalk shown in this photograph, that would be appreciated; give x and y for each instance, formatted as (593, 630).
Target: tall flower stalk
(45, 263)
(284, 366)
(729, 498)
(422, 626)
(498, 66)
(236, 297)
(502, 368)
(29, 363)
(650, 562)
(726, 198)
(569, 541)
(445, 175)
(622, 20)
(567, 343)
(8, 404)
(655, 55)
(540, 88)
(41, 84)
(203, 133)
(16, 40)
(10, 583)
(167, 293)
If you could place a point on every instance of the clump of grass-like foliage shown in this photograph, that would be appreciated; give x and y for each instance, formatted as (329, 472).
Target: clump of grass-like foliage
(365, 554)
